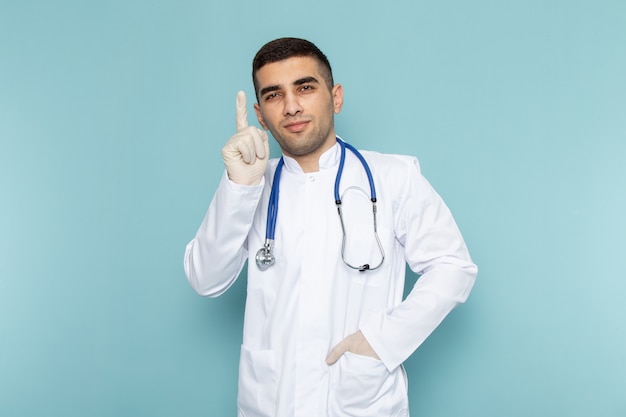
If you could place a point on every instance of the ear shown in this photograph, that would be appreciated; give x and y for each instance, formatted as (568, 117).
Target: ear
(259, 116)
(337, 93)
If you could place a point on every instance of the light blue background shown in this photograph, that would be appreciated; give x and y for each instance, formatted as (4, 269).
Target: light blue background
(112, 117)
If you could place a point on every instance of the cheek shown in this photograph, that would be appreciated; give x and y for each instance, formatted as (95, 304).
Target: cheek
(262, 121)
(267, 118)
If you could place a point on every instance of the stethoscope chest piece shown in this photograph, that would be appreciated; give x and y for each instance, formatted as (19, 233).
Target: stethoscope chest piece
(264, 257)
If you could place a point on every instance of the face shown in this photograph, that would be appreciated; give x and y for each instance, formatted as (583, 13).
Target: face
(297, 106)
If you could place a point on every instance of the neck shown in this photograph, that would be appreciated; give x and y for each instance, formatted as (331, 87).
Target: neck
(310, 162)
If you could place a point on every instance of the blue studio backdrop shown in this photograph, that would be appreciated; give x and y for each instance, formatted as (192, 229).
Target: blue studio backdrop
(112, 117)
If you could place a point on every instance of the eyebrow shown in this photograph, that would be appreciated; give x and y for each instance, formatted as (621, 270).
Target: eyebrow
(306, 80)
(300, 81)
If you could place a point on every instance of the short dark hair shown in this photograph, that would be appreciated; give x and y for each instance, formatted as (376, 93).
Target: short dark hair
(284, 48)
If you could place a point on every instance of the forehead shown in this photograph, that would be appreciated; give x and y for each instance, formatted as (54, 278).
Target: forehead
(283, 73)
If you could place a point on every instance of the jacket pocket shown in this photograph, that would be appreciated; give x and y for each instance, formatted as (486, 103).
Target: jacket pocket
(258, 384)
(362, 386)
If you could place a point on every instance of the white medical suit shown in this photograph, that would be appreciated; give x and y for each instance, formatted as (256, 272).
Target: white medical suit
(309, 300)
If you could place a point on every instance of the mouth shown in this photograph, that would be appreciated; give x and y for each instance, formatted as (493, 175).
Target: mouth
(296, 126)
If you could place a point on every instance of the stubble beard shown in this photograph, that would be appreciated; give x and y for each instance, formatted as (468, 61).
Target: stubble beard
(298, 146)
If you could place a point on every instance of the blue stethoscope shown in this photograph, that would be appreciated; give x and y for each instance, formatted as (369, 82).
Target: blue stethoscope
(264, 256)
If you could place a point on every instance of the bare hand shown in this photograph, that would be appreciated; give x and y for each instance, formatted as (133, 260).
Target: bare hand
(355, 343)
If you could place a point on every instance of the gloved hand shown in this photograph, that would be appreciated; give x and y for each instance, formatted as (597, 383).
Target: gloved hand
(355, 343)
(246, 153)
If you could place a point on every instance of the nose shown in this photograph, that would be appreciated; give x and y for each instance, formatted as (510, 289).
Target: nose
(292, 105)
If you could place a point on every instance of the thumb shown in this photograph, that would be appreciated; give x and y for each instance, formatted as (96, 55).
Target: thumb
(263, 151)
(337, 352)
(242, 112)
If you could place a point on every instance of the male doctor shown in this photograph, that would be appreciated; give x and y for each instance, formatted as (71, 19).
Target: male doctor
(322, 338)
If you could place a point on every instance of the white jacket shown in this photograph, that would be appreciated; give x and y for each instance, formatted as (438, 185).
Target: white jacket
(309, 300)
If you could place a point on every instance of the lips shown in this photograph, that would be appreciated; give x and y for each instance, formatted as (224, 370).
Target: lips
(295, 127)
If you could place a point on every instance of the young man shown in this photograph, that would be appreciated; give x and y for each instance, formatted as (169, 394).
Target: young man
(325, 329)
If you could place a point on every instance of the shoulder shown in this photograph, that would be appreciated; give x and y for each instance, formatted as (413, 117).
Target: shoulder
(395, 175)
(391, 163)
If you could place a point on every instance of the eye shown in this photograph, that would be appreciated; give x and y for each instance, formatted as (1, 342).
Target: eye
(271, 96)
(307, 88)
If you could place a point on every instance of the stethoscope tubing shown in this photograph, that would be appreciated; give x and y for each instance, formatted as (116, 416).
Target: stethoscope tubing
(272, 210)
(264, 256)
(342, 161)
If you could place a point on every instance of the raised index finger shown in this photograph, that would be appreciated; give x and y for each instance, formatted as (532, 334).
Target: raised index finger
(242, 113)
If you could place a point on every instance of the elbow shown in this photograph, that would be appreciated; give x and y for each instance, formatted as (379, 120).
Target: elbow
(469, 273)
(451, 280)
(200, 281)
(207, 278)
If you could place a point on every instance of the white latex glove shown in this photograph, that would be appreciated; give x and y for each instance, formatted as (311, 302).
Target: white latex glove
(355, 343)
(246, 153)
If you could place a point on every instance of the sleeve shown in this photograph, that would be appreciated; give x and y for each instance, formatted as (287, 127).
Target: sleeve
(434, 249)
(216, 255)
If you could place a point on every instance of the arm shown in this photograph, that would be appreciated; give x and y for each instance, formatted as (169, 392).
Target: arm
(434, 248)
(214, 258)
